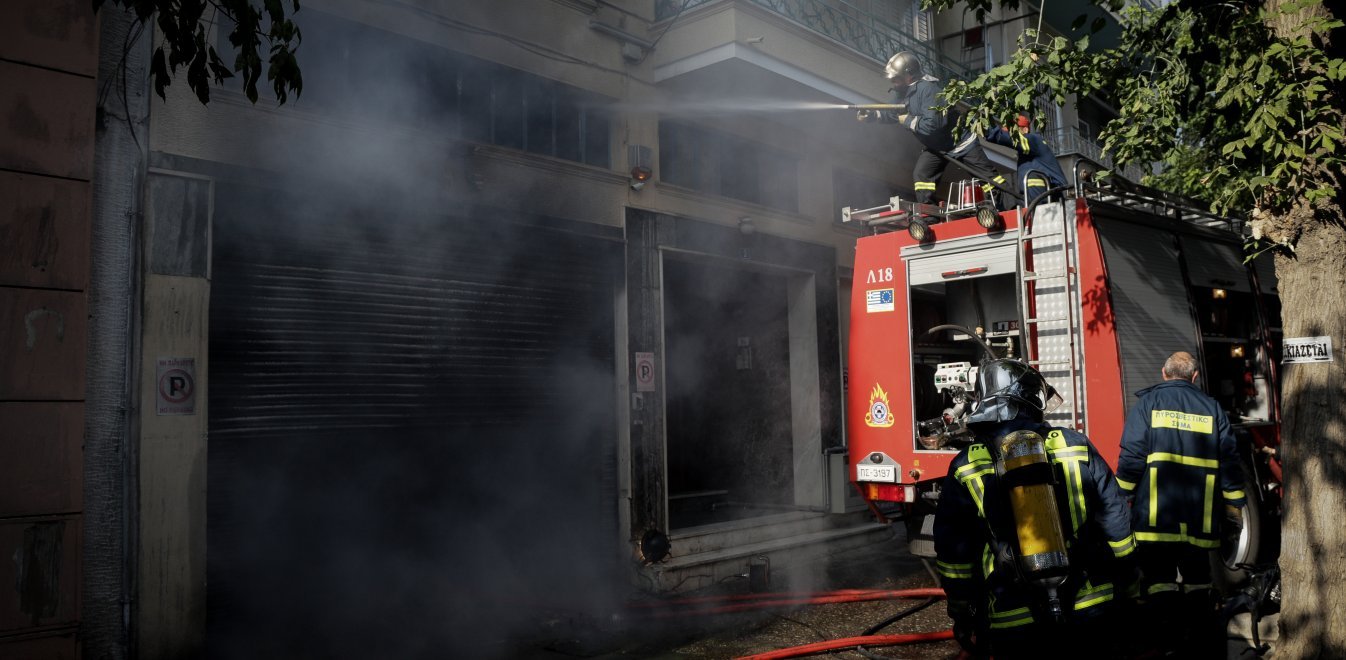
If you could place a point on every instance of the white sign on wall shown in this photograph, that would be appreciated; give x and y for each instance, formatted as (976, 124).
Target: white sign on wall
(644, 372)
(1303, 350)
(175, 386)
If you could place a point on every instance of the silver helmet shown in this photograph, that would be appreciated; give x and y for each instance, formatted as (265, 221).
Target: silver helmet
(904, 62)
(1005, 388)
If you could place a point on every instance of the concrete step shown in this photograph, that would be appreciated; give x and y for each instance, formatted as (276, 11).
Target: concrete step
(687, 572)
(746, 531)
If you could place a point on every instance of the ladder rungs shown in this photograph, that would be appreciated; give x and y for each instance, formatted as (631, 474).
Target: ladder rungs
(1049, 320)
(1033, 276)
(1037, 362)
(1044, 234)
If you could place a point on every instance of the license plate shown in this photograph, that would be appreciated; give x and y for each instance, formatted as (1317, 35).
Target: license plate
(886, 473)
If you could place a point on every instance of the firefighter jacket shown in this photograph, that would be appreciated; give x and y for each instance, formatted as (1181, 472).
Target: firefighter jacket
(1178, 460)
(932, 128)
(976, 541)
(1035, 159)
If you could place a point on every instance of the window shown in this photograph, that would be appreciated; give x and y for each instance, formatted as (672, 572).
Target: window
(719, 163)
(356, 70)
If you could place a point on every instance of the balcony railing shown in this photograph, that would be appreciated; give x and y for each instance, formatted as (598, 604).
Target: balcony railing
(1070, 141)
(844, 23)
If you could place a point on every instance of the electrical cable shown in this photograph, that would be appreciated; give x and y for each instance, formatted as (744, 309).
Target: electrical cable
(874, 629)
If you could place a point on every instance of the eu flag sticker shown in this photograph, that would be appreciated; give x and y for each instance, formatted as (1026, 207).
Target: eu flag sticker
(878, 300)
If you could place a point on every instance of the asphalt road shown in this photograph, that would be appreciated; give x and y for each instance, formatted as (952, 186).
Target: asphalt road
(661, 631)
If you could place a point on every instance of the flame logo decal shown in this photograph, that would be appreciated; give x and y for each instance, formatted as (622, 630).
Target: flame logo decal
(880, 414)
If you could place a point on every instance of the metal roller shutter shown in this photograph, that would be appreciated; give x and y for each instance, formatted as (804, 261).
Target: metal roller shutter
(1215, 264)
(1149, 300)
(408, 392)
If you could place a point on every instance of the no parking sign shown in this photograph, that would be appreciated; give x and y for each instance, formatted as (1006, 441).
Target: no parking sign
(175, 386)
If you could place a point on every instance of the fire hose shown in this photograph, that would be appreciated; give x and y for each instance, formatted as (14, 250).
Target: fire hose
(702, 605)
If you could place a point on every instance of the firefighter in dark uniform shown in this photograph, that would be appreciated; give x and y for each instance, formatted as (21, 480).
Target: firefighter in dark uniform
(995, 599)
(1176, 447)
(1038, 170)
(918, 92)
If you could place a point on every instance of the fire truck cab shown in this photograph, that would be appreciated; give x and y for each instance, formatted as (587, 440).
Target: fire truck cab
(1094, 288)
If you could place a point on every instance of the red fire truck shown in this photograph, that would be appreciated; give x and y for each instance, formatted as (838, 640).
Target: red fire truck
(1095, 289)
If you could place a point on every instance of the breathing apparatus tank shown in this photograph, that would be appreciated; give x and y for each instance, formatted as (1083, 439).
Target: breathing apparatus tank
(1026, 472)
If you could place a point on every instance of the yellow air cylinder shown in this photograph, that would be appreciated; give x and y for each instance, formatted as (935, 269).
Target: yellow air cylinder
(1026, 471)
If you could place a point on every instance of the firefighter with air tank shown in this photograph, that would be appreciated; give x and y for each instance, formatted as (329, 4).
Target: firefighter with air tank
(1032, 534)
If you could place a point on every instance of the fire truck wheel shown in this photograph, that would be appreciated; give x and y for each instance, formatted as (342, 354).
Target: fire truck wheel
(1244, 549)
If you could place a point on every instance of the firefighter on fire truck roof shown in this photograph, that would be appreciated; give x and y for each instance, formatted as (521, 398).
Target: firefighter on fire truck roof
(1038, 170)
(1031, 533)
(917, 90)
(1176, 447)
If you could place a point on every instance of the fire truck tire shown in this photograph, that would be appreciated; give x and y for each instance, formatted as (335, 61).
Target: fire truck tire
(1246, 549)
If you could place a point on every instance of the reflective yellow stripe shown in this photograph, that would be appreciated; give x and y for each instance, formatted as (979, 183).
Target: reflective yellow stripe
(965, 471)
(1160, 588)
(1056, 440)
(1209, 504)
(1192, 461)
(1189, 588)
(1123, 547)
(977, 490)
(1075, 494)
(1090, 596)
(1234, 495)
(1183, 538)
(1037, 183)
(1154, 497)
(925, 185)
(1011, 619)
(1126, 485)
(1175, 419)
(956, 571)
(998, 179)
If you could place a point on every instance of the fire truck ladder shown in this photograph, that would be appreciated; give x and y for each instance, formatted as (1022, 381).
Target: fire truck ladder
(1048, 304)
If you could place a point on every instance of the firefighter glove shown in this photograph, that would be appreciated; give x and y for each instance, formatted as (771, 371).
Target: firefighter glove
(966, 625)
(865, 115)
(1233, 517)
(902, 119)
(1129, 577)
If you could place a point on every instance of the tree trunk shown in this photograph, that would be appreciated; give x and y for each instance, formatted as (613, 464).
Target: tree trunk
(1313, 404)
(1313, 540)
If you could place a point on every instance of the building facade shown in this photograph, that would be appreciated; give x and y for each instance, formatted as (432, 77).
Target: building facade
(514, 308)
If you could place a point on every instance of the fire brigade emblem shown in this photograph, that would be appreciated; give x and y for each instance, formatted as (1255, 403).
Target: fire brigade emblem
(879, 415)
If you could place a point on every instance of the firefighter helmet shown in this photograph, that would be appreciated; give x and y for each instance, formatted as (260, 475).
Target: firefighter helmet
(1007, 387)
(904, 62)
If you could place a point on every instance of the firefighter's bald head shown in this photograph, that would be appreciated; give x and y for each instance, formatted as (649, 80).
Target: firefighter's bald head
(1180, 366)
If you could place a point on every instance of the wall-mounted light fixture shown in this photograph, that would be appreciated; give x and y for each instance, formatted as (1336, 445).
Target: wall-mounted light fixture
(1219, 294)
(1236, 351)
(640, 159)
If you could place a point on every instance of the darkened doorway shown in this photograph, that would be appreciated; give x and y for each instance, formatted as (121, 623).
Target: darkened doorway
(727, 343)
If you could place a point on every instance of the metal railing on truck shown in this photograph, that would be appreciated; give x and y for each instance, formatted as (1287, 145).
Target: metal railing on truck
(1144, 199)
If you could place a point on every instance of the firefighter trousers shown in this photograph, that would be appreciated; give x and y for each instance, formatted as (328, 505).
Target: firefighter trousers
(930, 166)
(1181, 615)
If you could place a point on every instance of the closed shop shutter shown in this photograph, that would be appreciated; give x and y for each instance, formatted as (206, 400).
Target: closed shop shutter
(1149, 300)
(1215, 264)
(402, 391)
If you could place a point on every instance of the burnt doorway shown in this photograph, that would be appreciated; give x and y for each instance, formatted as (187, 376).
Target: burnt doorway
(739, 341)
